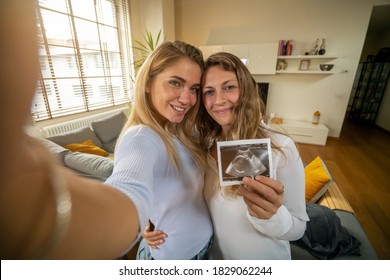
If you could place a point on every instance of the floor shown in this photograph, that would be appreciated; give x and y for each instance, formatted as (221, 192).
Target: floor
(359, 160)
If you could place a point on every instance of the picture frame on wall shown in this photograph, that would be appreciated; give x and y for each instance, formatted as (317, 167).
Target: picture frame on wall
(304, 65)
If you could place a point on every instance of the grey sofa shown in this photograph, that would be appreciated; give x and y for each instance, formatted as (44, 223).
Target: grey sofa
(104, 133)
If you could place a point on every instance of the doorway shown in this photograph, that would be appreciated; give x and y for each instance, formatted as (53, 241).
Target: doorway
(377, 38)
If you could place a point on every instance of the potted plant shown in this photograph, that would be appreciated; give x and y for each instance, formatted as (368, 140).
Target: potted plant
(145, 47)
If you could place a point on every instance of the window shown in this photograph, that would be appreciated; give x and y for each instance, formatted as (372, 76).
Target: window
(85, 56)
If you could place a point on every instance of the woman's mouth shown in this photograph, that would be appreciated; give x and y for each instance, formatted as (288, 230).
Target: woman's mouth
(222, 111)
(178, 109)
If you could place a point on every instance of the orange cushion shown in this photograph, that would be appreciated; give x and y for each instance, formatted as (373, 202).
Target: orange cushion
(317, 180)
(87, 147)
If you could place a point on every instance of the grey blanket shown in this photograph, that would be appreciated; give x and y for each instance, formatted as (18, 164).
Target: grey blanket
(325, 237)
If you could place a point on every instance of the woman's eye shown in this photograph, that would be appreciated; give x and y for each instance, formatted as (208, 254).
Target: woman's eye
(196, 90)
(229, 88)
(208, 92)
(175, 83)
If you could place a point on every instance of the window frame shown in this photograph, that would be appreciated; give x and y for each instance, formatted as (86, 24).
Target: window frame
(48, 102)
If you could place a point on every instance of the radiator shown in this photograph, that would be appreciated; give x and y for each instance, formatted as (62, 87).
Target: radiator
(64, 127)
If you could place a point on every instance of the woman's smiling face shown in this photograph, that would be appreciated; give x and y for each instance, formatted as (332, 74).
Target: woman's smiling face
(220, 93)
(174, 91)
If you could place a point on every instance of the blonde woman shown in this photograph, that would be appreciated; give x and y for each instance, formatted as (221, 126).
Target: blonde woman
(156, 150)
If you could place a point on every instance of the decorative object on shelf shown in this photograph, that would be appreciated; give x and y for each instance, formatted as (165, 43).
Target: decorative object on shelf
(304, 65)
(322, 48)
(282, 65)
(316, 117)
(285, 47)
(277, 121)
(316, 48)
(271, 116)
(326, 67)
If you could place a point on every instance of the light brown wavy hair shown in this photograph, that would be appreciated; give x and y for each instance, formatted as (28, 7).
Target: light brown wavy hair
(249, 110)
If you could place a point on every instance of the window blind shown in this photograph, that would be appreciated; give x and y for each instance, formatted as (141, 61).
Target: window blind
(85, 56)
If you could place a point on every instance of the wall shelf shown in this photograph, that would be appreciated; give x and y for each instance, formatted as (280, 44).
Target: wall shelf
(293, 64)
(304, 72)
(307, 57)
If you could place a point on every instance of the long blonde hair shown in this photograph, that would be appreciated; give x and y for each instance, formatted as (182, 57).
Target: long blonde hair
(143, 111)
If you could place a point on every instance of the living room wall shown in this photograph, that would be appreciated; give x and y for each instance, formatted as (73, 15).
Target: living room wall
(343, 23)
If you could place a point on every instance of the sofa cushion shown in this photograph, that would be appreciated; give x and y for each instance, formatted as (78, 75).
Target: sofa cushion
(93, 165)
(87, 147)
(318, 180)
(76, 136)
(110, 146)
(56, 149)
(108, 130)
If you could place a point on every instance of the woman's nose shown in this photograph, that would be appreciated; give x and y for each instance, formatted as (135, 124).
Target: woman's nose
(220, 97)
(185, 96)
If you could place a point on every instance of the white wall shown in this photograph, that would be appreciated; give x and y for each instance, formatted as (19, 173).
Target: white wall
(342, 22)
(153, 15)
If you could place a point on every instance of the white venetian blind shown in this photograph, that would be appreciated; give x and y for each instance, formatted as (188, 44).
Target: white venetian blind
(85, 56)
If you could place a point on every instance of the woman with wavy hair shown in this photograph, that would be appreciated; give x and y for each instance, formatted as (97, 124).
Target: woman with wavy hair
(267, 213)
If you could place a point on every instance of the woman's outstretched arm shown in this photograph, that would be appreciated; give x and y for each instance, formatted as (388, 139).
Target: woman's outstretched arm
(46, 211)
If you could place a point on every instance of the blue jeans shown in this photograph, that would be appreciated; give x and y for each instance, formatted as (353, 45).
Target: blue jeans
(143, 252)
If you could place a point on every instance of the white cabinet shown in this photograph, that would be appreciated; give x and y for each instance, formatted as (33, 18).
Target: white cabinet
(242, 51)
(304, 132)
(262, 58)
(314, 61)
(259, 58)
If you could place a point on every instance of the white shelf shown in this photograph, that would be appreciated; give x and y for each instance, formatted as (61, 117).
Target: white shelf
(307, 57)
(293, 67)
(304, 72)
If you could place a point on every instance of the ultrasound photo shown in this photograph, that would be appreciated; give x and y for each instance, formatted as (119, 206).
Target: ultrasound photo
(243, 158)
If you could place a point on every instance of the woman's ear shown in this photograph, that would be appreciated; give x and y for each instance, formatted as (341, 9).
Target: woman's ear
(147, 88)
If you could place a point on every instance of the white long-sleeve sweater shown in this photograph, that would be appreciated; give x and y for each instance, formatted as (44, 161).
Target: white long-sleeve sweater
(237, 235)
(142, 166)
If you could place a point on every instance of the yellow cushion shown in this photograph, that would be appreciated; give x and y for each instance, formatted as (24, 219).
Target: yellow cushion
(87, 147)
(317, 180)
